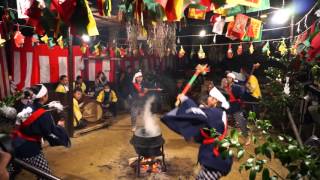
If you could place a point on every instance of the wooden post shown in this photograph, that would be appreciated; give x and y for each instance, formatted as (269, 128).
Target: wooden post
(69, 121)
(294, 127)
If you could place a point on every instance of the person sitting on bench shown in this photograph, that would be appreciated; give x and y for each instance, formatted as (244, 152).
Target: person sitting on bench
(63, 84)
(78, 121)
(108, 98)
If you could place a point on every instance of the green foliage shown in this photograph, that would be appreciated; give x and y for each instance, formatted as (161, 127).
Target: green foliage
(10, 100)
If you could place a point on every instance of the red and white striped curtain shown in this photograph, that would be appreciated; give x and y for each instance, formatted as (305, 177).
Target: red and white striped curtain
(41, 64)
(4, 78)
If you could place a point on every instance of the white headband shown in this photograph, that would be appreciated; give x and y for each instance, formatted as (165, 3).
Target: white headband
(233, 76)
(219, 96)
(135, 76)
(43, 91)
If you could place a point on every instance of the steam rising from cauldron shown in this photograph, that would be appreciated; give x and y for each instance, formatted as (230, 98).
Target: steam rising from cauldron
(150, 124)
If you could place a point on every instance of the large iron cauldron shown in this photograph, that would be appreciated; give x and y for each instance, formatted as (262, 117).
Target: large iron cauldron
(147, 145)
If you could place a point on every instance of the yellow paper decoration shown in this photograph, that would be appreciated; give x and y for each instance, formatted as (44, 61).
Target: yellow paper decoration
(283, 48)
(201, 53)
(251, 49)
(60, 42)
(45, 39)
(2, 41)
(92, 26)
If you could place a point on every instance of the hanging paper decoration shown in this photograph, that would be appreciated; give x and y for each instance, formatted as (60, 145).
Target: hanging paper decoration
(104, 7)
(293, 50)
(174, 10)
(240, 24)
(35, 40)
(254, 30)
(83, 48)
(283, 48)
(194, 13)
(218, 25)
(60, 42)
(264, 5)
(266, 49)
(22, 8)
(249, 3)
(240, 49)
(51, 42)
(2, 41)
(230, 52)
(181, 52)
(92, 29)
(96, 49)
(117, 51)
(251, 48)
(230, 33)
(45, 39)
(236, 10)
(201, 53)
(18, 38)
(122, 52)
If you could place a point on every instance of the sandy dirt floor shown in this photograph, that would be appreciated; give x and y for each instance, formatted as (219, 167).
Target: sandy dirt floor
(104, 154)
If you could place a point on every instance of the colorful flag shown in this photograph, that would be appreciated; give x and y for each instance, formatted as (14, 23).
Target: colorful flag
(174, 10)
(265, 4)
(22, 8)
(250, 3)
(240, 24)
(254, 30)
(104, 7)
(194, 13)
(91, 26)
(218, 25)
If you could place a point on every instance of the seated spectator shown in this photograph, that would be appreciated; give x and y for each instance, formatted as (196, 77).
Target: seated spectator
(80, 84)
(108, 99)
(63, 84)
(78, 121)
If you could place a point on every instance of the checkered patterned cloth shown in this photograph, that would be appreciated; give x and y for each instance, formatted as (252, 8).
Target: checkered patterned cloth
(38, 161)
(206, 174)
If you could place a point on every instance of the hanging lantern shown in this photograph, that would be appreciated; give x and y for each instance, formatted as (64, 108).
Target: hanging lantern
(2, 41)
(18, 38)
(240, 49)
(181, 52)
(60, 42)
(230, 52)
(251, 48)
(201, 53)
(283, 48)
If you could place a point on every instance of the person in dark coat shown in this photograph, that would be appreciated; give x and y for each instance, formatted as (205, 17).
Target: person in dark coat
(34, 124)
(235, 92)
(190, 121)
(138, 96)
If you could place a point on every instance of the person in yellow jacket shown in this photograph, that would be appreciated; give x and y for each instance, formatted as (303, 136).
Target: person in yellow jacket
(80, 84)
(108, 98)
(63, 84)
(78, 121)
(252, 85)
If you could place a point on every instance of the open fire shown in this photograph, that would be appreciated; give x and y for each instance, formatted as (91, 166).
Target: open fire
(147, 165)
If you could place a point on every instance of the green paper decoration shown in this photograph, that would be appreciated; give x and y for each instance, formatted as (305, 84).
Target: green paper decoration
(265, 4)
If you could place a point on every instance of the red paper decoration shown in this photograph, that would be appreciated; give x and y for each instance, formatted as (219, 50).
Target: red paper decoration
(18, 38)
